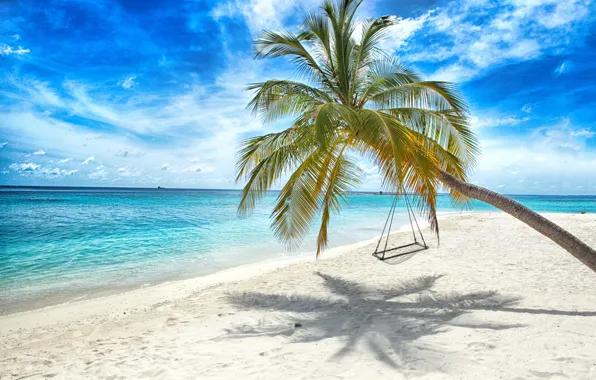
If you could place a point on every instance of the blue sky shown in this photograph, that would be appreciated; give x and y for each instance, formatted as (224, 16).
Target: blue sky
(148, 93)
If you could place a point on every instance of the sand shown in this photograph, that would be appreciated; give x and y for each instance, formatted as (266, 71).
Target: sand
(496, 300)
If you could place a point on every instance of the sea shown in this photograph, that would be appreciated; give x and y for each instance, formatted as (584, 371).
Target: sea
(63, 244)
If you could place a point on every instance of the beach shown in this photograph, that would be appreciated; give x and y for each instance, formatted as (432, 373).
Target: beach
(494, 300)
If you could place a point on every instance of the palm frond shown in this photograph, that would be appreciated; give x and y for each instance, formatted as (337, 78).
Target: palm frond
(298, 201)
(263, 160)
(276, 99)
(328, 120)
(424, 94)
(448, 128)
(366, 51)
(342, 176)
(273, 44)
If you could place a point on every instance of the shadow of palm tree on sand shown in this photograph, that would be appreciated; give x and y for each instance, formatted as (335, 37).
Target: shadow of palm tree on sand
(387, 320)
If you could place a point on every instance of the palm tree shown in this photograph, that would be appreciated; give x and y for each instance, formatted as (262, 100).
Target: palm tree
(356, 100)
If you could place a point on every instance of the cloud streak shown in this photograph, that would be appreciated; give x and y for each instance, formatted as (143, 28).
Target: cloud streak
(88, 160)
(9, 50)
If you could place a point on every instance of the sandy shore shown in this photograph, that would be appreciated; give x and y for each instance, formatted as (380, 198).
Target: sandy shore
(495, 300)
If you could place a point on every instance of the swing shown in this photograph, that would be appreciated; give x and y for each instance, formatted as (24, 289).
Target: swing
(399, 254)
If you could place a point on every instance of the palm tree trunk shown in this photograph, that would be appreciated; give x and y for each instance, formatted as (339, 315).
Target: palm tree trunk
(567, 241)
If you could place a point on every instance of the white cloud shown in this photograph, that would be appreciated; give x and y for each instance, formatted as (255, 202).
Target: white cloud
(368, 169)
(563, 68)
(453, 73)
(33, 170)
(56, 172)
(88, 160)
(126, 172)
(584, 132)
(129, 82)
(198, 121)
(100, 173)
(40, 152)
(470, 37)
(553, 155)
(527, 108)
(165, 166)
(70, 172)
(24, 167)
(3, 144)
(34, 91)
(130, 152)
(201, 168)
(399, 34)
(65, 160)
(8, 50)
(487, 122)
(260, 14)
(16, 37)
(563, 136)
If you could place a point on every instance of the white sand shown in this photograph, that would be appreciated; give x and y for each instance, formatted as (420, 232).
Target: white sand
(495, 301)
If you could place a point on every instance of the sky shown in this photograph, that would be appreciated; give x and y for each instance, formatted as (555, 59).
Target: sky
(151, 93)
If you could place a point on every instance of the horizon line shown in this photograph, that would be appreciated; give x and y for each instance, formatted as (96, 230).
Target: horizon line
(221, 189)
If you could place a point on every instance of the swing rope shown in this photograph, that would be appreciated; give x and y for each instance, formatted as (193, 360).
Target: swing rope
(402, 252)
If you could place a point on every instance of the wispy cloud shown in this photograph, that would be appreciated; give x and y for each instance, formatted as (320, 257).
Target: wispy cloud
(262, 14)
(488, 122)
(88, 160)
(3, 144)
(132, 152)
(563, 136)
(99, 174)
(129, 172)
(398, 35)
(65, 160)
(30, 169)
(129, 82)
(563, 68)
(40, 152)
(9, 50)
(24, 167)
(205, 120)
(472, 37)
(549, 156)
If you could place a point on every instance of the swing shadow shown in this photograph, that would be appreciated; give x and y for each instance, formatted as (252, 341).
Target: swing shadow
(385, 320)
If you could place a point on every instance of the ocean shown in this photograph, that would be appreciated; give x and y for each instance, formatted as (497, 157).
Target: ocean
(59, 245)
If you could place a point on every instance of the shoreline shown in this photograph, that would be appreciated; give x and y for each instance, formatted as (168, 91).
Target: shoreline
(211, 279)
(201, 282)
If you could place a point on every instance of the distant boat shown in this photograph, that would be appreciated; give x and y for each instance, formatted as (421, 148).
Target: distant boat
(160, 188)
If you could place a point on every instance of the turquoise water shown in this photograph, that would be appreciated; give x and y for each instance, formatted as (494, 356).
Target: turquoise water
(62, 244)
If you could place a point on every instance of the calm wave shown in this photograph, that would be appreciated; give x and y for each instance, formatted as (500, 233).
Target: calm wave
(56, 245)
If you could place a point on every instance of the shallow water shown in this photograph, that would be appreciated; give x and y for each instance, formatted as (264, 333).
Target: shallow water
(57, 245)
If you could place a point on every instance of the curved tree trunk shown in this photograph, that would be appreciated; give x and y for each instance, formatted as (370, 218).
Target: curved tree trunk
(567, 241)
